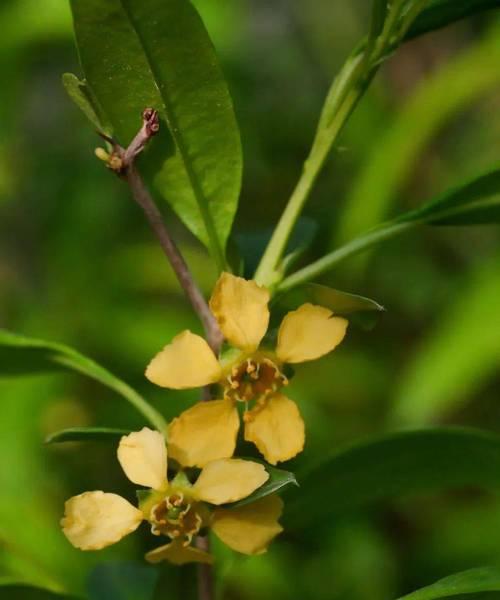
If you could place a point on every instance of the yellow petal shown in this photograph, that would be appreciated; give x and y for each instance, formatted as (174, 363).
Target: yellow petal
(229, 480)
(249, 529)
(178, 554)
(308, 333)
(240, 307)
(143, 457)
(206, 431)
(94, 520)
(276, 428)
(187, 362)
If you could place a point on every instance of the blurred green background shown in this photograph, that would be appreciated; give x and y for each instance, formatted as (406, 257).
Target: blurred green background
(78, 265)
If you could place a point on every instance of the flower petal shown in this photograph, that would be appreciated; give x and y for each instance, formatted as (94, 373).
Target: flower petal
(229, 480)
(187, 362)
(276, 428)
(249, 529)
(240, 307)
(94, 520)
(178, 554)
(143, 457)
(206, 431)
(308, 333)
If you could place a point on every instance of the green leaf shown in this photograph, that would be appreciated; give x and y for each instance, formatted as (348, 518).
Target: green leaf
(21, 355)
(140, 53)
(278, 479)
(86, 434)
(122, 581)
(358, 309)
(396, 465)
(477, 202)
(21, 591)
(483, 579)
(441, 13)
(80, 93)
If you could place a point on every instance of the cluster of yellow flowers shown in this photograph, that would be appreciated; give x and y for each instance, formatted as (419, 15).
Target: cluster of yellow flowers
(203, 438)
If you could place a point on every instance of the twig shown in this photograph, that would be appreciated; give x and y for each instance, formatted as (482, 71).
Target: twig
(125, 167)
(205, 572)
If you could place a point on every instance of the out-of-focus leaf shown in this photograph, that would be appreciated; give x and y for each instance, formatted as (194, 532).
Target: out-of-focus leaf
(86, 434)
(122, 581)
(140, 53)
(437, 100)
(21, 591)
(358, 309)
(396, 465)
(79, 92)
(21, 355)
(278, 479)
(475, 203)
(440, 13)
(457, 355)
(483, 579)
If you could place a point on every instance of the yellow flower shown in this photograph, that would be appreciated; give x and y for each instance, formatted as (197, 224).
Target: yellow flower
(178, 509)
(248, 373)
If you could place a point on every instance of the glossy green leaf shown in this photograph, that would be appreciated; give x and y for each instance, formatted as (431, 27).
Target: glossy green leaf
(278, 480)
(80, 93)
(396, 465)
(475, 203)
(122, 581)
(440, 13)
(21, 355)
(358, 309)
(86, 434)
(483, 579)
(140, 53)
(21, 591)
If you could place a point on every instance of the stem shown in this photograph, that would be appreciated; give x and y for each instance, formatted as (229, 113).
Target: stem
(350, 249)
(342, 98)
(145, 201)
(205, 572)
(126, 168)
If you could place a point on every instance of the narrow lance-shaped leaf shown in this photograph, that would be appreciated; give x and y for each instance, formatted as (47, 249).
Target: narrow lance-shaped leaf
(483, 579)
(21, 355)
(80, 93)
(358, 309)
(140, 53)
(87, 434)
(396, 465)
(477, 202)
(278, 480)
(440, 13)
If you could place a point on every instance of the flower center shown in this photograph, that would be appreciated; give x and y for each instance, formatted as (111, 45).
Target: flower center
(254, 378)
(175, 517)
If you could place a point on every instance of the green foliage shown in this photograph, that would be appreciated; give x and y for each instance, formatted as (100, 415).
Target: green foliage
(21, 355)
(80, 93)
(362, 311)
(122, 581)
(278, 480)
(437, 100)
(86, 434)
(440, 13)
(134, 58)
(474, 203)
(485, 579)
(397, 465)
